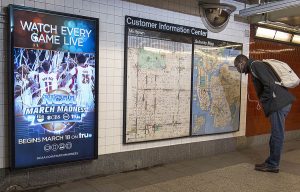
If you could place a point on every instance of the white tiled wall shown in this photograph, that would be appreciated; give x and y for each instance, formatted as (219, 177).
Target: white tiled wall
(111, 58)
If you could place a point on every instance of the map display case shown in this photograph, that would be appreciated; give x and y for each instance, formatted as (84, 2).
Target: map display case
(178, 82)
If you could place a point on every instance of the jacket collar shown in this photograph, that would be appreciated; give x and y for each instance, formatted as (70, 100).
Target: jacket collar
(247, 67)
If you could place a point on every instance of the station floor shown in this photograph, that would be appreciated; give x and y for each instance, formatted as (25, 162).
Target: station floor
(229, 172)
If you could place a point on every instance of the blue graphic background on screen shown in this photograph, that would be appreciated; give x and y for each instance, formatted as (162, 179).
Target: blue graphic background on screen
(37, 150)
(197, 111)
(26, 154)
(89, 43)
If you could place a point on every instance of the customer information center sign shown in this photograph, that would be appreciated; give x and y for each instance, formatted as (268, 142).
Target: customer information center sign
(164, 27)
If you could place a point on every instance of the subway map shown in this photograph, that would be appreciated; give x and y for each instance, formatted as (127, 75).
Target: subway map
(158, 87)
(216, 88)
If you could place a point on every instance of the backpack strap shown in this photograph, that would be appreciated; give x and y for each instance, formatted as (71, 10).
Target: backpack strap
(279, 82)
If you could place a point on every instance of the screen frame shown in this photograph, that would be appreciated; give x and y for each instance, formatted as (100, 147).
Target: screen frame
(10, 56)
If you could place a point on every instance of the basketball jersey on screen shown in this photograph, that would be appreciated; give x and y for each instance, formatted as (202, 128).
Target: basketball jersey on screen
(48, 82)
(84, 78)
(84, 86)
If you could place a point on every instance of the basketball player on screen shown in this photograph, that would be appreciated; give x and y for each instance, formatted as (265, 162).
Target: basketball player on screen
(84, 82)
(47, 80)
(22, 89)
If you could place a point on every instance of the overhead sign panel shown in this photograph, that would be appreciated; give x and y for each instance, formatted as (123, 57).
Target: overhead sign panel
(163, 26)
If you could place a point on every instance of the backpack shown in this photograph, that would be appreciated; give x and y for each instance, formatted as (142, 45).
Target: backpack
(287, 77)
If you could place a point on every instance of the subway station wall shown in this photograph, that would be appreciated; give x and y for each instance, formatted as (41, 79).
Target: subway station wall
(111, 14)
(257, 123)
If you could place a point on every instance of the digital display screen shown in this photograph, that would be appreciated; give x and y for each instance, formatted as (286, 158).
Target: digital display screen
(53, 69)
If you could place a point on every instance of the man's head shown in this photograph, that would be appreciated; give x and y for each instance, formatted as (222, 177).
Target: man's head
(71, 63)
(46, 65)
(81, 59)
(240, 62)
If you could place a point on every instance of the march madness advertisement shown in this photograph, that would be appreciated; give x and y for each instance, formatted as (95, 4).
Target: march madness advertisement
(54, 60)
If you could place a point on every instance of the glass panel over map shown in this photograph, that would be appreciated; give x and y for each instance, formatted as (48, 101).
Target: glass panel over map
(216, 87)
(158, 86)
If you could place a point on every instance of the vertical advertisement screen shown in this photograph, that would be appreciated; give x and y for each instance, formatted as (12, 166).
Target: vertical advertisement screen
(53, 70)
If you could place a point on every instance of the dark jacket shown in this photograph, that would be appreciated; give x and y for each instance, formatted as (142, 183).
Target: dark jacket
(272, 96)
